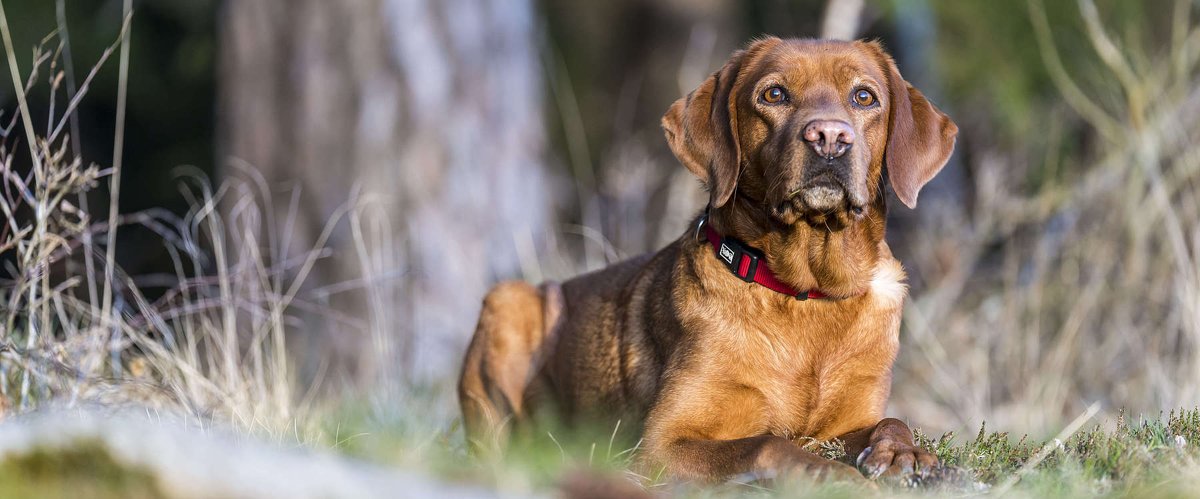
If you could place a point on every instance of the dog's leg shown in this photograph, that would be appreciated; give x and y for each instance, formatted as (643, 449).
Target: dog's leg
(762, 457)
(721, 433)
(887, 449)
(501, 359)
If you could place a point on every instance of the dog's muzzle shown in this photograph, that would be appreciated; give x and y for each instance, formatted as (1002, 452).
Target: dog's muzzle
(824, 197)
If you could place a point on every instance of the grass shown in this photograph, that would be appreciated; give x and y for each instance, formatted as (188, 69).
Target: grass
(1124, 457)
(1044, 298)
(76, 328)
(1153, 456)
(1024, 314)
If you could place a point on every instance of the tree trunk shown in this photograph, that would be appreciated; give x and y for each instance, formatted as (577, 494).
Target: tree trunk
(428, 110)
(842, 19)
(945, 200)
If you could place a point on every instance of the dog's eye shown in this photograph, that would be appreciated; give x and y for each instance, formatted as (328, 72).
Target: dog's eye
(774, 95)
(863, 97)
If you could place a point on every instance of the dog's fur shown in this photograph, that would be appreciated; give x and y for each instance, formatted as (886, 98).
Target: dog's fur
(722, 375)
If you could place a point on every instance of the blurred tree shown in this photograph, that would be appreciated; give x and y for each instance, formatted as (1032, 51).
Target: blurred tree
(842, 19)
(615, 67)
(429, 112)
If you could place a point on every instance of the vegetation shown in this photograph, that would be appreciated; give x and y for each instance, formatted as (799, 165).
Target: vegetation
(1123, 458)
(1154, 456)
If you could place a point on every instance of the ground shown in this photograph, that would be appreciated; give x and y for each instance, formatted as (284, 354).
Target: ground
(65, 453)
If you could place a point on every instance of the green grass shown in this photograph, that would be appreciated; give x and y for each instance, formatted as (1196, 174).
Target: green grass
(1126, 457)
(1152, 456)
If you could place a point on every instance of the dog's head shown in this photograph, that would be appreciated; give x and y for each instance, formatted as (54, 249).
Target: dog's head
(803, 128)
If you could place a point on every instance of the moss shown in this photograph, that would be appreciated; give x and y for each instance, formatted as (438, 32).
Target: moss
(85, 469)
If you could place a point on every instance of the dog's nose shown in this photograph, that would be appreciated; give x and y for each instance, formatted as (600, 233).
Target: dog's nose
(830, 138)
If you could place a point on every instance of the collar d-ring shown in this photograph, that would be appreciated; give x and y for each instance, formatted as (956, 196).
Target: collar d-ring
(698, 234)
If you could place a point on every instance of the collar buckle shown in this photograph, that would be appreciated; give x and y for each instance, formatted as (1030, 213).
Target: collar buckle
(740, 259)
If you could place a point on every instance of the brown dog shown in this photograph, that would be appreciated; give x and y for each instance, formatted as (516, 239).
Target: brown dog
(703, 344)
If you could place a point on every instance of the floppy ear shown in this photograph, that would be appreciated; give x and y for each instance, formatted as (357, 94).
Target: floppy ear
(702, 132)
(920, 137)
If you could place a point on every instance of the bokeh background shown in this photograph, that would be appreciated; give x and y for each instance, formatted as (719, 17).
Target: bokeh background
(348, 177)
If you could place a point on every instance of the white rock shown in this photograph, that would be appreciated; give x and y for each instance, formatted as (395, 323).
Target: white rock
(189, 460)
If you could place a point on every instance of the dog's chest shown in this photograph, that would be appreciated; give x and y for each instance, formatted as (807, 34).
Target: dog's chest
(817, 368)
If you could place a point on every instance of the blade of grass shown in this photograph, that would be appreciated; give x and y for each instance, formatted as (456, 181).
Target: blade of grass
(110, 250)
(40, 210)
(1049, 447)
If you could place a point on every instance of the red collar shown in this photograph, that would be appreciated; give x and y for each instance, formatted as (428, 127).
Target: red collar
(749, 265)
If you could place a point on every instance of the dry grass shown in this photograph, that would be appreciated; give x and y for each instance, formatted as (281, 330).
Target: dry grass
(1087, 289)
(213, 346)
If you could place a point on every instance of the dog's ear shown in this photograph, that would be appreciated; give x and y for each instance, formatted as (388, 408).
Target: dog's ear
(702, 129)
(920, 137)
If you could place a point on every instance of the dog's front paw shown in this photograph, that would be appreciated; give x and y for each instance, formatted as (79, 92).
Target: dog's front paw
(888, 457)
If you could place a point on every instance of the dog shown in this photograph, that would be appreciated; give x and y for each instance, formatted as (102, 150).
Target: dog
(775, 318)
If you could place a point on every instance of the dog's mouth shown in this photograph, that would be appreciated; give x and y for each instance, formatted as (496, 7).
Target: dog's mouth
(821, 202)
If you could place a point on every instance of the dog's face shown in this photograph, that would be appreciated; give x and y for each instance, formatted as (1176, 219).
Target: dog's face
(802, 129)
